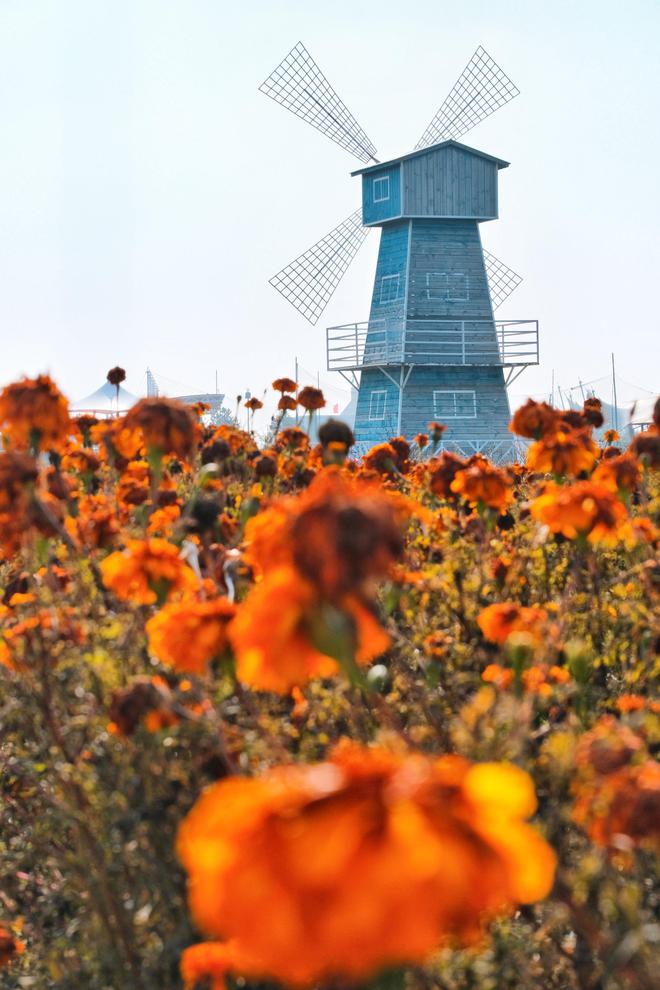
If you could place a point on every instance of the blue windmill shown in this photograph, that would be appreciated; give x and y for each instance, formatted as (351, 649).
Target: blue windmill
(431, 348)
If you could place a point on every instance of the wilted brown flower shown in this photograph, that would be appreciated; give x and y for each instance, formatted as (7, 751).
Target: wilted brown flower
(344, 535)
(311, 398)
(435, 431)
(287, 403)
(116, 376)
(284, 385)
(253, 404)
(534, 420)
(442, 471)
(646, 446)
(168, 426)
(131, 705)
(592, 411)
(293, 437)
(382, 458)
(266, 465)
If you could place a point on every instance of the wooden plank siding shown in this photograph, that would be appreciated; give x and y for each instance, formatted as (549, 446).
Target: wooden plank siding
(449, 182)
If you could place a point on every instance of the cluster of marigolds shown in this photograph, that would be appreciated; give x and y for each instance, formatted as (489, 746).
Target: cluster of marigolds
(291, 573)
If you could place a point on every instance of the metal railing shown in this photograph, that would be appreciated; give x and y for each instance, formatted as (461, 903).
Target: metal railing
(508, 343)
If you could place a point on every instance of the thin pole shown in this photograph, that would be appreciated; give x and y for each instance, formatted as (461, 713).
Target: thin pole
(616, 407)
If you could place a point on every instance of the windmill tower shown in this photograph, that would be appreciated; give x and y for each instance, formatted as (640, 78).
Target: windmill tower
(431, 348)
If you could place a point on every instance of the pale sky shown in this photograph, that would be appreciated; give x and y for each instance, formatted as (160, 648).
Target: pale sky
(148, 190)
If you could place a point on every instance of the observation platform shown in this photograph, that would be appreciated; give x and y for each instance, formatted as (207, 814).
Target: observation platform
(512, 344)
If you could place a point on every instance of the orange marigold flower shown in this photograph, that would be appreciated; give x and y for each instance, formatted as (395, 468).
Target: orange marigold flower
(10, 947)
(500, 676)
(437, 644)
(621, 473)
(272, 638)
(311, 398)
(284, 385)
(480, 483)
(162, 520)
(583, 509)
(422, 440)
(534, 681)
(168, 426)
(368, 860)
(631, 703)
(34, 414)
(534, 420)
(96, 524)
(497, 622)
(147, 571)
(253, 404)
(189, 634)
(563, 453)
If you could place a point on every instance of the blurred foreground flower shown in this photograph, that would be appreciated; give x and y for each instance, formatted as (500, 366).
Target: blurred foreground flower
(34, 414)
(617, 788)
(581, 510)
(168, 426)
(370, 860)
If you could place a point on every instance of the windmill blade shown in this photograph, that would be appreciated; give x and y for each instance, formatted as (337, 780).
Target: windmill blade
(481, 89)
(309, 281)
(501, 280)
(299, 85)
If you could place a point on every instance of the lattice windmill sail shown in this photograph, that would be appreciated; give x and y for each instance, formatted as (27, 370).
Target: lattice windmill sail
(309, 281)
(481, 89)
(299, 85)
(431, 348)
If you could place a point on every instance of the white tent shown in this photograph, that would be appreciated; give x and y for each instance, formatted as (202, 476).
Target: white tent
(105, 401)
(641, 413)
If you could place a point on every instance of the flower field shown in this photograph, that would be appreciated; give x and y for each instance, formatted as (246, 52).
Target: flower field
(274, 716)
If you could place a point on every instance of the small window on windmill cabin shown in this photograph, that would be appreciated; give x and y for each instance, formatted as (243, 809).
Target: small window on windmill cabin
(447, 287)
(381, 189)
(461, 404)
(377, 404)
(389, 288)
